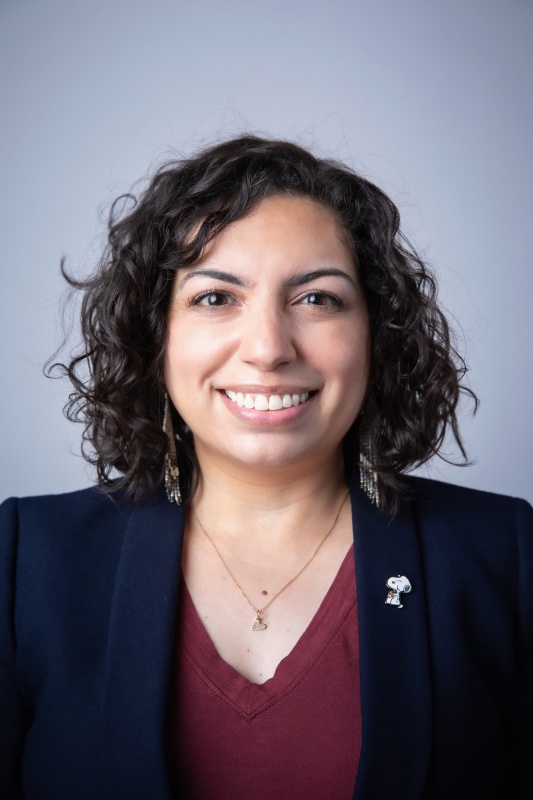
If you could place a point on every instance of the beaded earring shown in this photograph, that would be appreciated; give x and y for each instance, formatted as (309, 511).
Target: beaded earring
(172, 473)
(368, 477)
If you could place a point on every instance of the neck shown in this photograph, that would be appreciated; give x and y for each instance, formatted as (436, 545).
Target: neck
(274, 507)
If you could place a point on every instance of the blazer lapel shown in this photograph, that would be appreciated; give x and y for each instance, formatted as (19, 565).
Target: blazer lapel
(395, 669)
(139, 652)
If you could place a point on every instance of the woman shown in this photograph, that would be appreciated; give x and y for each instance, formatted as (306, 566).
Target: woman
(293, 616)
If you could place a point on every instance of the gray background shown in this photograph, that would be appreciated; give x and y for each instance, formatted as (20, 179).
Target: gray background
(430, 99)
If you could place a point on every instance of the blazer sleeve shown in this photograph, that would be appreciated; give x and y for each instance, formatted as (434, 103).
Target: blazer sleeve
(524, 699)
(15, 713)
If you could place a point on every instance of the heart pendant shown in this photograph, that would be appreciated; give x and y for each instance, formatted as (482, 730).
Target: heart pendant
(257, 625)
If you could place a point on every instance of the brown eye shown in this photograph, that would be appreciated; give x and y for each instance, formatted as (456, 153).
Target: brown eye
(211, 299)
(216, 299)
(322, 300)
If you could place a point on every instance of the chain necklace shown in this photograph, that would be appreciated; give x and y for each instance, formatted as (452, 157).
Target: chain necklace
(257, 624)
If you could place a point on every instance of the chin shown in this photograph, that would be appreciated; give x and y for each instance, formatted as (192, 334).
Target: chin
(266, 458)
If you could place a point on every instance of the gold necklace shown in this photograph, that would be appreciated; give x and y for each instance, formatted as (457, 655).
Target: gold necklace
(257, 624)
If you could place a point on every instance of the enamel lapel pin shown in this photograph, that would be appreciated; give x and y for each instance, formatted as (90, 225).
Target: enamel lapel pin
(397, 587)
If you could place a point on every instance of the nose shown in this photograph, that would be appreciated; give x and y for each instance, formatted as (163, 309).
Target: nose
(267, 338)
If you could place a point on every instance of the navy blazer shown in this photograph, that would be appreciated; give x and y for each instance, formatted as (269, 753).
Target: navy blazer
(87, 604)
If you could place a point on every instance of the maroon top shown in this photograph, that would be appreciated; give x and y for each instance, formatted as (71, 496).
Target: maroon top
(297, 735)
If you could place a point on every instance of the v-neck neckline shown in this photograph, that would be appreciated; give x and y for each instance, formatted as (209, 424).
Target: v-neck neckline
(251, 698)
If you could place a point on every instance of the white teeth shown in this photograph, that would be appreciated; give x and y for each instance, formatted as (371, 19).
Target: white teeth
(263, 402)
(274, 402)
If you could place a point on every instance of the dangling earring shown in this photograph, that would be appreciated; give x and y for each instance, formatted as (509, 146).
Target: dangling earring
(368, 477)
(172, 473)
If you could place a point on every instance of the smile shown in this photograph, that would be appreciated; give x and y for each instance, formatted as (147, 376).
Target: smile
(263, 402)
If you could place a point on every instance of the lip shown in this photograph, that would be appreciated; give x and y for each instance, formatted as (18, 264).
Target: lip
(252, 388)
(283, 416)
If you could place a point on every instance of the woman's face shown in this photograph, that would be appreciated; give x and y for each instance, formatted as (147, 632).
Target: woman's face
(269, 348)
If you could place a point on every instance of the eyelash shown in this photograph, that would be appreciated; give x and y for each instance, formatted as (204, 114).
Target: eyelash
(332, 299)
(197, 299)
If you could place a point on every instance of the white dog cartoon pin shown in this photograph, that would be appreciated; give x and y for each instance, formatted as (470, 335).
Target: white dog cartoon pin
(397, 586)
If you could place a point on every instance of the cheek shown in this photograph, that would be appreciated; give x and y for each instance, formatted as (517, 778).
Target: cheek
(349, 363)
(176, 359)
(348, 356)
(193, 353)
(182, 344)
(169, 360)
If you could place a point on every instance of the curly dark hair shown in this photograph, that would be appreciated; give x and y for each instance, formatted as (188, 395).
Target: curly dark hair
(416, 371)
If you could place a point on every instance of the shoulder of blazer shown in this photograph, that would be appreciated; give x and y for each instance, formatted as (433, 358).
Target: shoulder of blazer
(466, 526)
(81, 513)
(444, 504)
(69, 536)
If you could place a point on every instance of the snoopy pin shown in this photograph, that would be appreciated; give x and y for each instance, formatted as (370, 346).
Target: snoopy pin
(396, 587)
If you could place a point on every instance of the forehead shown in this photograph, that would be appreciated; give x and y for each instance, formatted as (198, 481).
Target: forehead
(282, 232)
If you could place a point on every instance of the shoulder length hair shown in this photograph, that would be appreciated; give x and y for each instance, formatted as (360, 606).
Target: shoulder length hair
(416, 373)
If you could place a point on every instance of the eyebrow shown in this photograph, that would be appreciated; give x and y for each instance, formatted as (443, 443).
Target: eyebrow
(307, 277)
(296, 280)
(216, 274)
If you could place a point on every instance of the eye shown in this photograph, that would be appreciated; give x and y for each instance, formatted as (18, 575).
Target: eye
(321, 299)
(211, 299)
